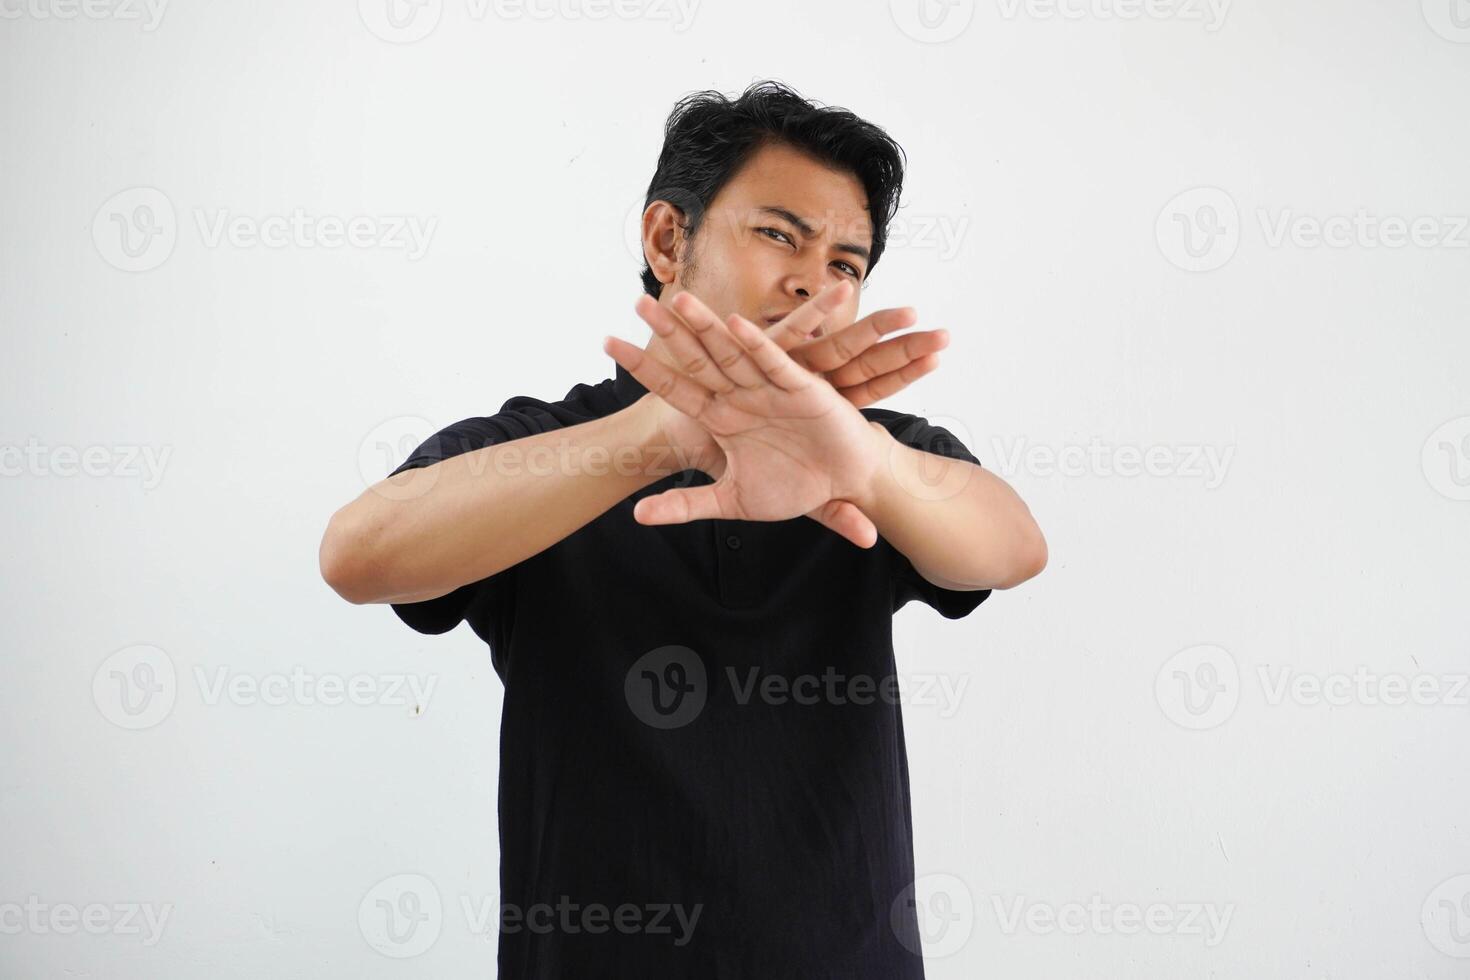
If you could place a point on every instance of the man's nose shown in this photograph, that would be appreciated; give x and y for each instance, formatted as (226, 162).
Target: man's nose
(804, 285)
(803, 278)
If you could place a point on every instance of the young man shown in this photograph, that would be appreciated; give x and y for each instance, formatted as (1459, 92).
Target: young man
(687, 573)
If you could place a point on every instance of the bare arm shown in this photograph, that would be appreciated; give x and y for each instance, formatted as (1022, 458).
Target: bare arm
(425, 532)
(428, 531)
(966, 530)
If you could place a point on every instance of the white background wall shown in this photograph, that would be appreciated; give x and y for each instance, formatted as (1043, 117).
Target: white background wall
(1120, 739)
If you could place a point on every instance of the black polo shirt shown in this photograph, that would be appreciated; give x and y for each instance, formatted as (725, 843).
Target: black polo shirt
(702, 764)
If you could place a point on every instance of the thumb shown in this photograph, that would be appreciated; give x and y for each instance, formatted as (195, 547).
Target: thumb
(679, 506)
(846, 519)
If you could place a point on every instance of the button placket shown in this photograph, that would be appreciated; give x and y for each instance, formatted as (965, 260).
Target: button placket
(736, 584)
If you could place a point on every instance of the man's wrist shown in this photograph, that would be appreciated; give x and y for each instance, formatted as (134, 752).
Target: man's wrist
(665, 455)
(875, 483)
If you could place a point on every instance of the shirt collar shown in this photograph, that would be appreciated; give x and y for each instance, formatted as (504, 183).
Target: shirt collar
(627, 388)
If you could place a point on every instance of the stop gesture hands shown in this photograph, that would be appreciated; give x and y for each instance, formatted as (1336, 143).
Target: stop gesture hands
(845, 355)
(787, 442)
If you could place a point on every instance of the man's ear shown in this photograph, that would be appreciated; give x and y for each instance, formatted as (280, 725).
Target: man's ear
(663, 239)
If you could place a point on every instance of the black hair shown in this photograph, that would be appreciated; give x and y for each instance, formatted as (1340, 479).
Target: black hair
(708, 138)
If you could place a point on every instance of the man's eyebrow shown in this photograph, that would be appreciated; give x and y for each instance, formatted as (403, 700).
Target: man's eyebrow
(809, 231)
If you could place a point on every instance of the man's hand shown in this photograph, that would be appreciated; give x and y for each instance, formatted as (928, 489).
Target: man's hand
(791, 444)
(842, 354)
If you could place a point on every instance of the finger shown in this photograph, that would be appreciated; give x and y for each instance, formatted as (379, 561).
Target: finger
(716, 341)
(888, 385)
(835, 349)
(679, 506)
(846, 519)
(888, 356)
(687, 350)
(685, 394)
(775, 363)
(800, 322)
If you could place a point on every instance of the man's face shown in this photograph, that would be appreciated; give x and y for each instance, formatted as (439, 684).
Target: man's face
(782, 228)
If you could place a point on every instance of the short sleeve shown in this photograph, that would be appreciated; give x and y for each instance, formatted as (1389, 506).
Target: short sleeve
(486, 604)
(908, 584)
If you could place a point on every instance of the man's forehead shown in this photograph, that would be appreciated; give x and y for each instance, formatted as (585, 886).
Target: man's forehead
(778, 179)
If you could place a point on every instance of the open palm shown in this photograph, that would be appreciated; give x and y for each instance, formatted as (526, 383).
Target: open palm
(789, 444)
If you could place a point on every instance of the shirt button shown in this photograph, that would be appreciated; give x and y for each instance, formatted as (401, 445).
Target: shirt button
(733, 542)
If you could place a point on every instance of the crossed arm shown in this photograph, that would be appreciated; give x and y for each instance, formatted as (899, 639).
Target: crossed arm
(968, 530)
(425, 532)
(791, 444)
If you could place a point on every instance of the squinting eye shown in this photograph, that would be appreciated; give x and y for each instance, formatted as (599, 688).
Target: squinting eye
(777, 231)
(850, 270)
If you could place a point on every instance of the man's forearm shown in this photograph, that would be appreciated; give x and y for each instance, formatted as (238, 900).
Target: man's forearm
(427, 531)
(961, 526)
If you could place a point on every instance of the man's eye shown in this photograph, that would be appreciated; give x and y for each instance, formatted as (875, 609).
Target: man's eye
(851, 269)
(777, 231)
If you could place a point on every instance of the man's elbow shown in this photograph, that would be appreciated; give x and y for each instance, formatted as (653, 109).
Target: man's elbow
(1004, 568)
(1029, 559)
(340, 564)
